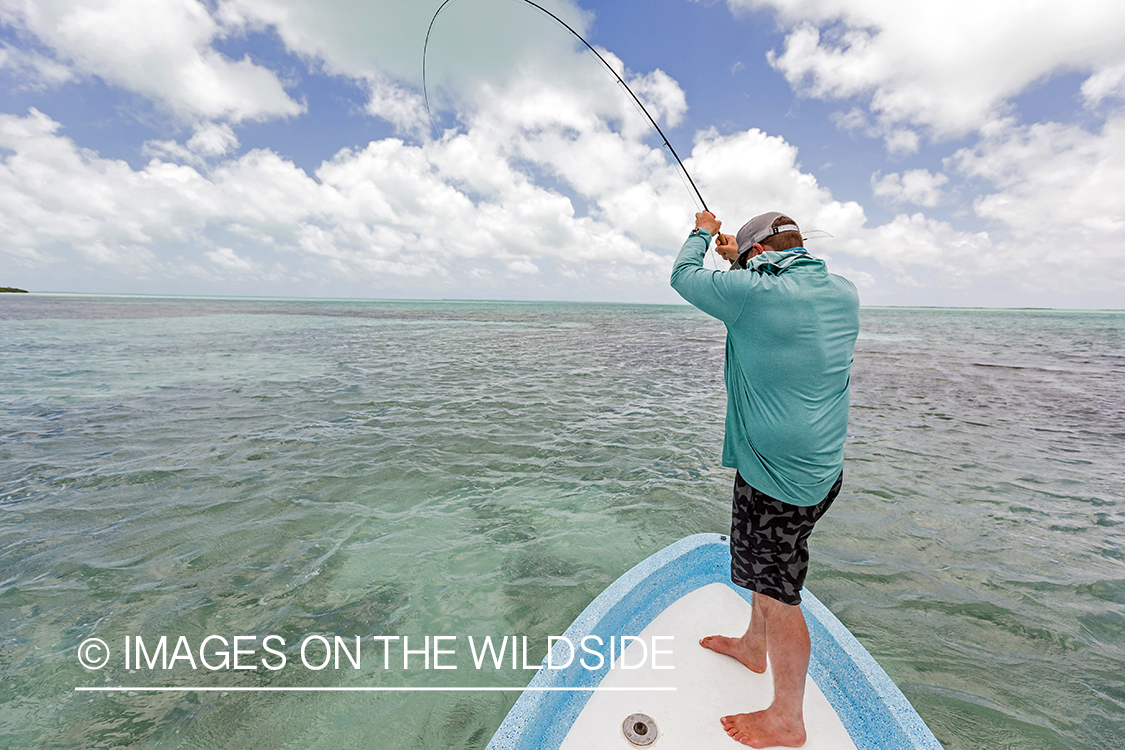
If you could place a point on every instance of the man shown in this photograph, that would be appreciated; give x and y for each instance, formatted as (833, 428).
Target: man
(791, 331)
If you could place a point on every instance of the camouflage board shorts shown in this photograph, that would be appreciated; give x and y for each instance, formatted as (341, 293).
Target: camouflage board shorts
(769, 552)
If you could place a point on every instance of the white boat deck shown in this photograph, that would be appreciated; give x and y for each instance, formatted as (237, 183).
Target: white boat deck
(684, 591)
(708, 685)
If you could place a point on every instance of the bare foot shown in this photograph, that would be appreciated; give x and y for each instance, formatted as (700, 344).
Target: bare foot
(754, 659)
(764, 729)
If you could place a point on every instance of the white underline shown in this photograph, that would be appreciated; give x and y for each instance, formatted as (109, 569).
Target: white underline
(125, 689)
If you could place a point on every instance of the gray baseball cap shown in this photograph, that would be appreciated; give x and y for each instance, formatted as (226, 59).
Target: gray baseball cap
(758, 228)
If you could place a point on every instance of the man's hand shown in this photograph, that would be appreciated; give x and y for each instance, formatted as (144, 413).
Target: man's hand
(706, 220)
(727, 246)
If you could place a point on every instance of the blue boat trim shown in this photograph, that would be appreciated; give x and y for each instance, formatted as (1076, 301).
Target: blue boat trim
(872, 708)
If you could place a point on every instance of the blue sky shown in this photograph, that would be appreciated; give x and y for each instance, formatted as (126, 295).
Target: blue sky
(961, 153)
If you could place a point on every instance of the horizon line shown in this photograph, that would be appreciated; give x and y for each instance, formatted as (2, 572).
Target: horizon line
(164, 295)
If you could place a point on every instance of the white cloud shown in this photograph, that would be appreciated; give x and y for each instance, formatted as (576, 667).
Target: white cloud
(53, 192)
(170, 150)
(32, 69)
(949, 67)
(213, 139)
(1057, 199)
(530, 103)
(662, 96)
(1049, 193)
(497, 41)
(208, 141)
(397, 105)
(523, 267)
(918, 186)
(853, 119)
(229, 260)
(775, 182)
(468, 41)
(1106, 83)
(862, 279)
(918, 241)
(901, 141)
(377, 42)
(161, 49)
(387, 209)
(471, 206)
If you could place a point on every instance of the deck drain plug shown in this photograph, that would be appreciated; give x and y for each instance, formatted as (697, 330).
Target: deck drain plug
(640, 729)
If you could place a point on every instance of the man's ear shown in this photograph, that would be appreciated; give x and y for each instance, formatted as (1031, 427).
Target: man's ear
(756, 249)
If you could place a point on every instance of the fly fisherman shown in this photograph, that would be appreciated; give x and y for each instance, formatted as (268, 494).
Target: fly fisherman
(791, 331)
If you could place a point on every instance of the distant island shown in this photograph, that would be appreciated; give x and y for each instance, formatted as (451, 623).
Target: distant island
(12, 289)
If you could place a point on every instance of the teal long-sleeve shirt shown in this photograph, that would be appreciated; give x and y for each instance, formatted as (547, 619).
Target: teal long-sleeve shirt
(791, 332)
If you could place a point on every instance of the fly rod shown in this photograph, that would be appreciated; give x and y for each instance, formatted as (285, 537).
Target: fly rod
(567, 26)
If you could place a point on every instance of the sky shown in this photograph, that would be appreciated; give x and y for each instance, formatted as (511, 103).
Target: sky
(961, 153)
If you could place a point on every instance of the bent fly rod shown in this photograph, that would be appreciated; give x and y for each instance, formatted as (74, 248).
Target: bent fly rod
(608, 67)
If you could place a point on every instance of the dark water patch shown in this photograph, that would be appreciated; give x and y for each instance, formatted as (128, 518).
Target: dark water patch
(535, 577)
(963, 720)
(503, 525)
(1106, 629)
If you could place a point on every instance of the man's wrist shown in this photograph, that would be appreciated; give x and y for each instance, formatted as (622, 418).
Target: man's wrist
(700, 231)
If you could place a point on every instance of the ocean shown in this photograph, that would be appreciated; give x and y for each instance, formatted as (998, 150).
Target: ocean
(200, 468)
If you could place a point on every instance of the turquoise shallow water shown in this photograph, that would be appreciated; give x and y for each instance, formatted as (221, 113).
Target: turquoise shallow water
(190, 467)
